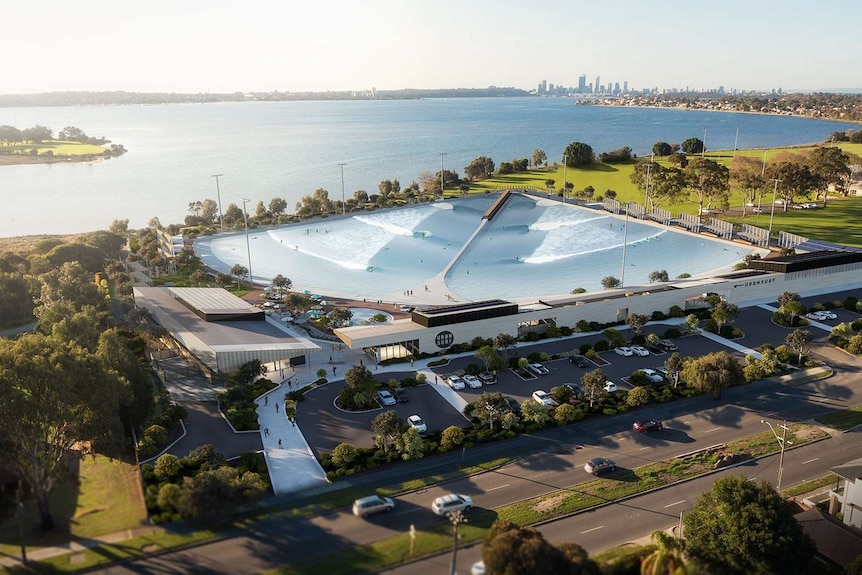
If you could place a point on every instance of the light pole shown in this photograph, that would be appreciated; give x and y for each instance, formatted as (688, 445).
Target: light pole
(703, 148)
(772, 211)
(218, 193)
(441, 173)
(782, 441)
(341, 165)
(247, 244)
(456, 518)
(646, 194)
(625, 242)
(762, 179)
(565, 178)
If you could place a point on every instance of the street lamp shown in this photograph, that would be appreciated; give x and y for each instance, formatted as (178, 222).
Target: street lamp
(341, 165)
(772, 211)
(441, 173)
(565, 179)
(625, 242)
(703, 148)
(247, 244)
(648, 170)
(456, 518)
(218, 193)
(782, 441)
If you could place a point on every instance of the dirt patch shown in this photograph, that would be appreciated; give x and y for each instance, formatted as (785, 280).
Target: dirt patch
(549, 504)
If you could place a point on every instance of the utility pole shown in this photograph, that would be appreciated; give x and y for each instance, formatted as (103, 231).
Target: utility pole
(772, 212)
(441, 173)
(782, 441)
(341, 165)
(565, 180)
(247, 244)
(456, 518)
(218, 193)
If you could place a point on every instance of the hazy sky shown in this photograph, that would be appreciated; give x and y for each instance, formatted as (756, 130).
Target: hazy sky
(318, 45)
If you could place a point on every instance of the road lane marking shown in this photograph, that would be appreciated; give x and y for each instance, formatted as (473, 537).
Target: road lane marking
(672, 504)
(647, 447)
(711, 430)
(593, 529)
(498, 487)
(810, 460)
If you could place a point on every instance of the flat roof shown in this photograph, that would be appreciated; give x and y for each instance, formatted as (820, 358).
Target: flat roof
(248, 335)
(397, 327)
(211, 301)
(459, 307)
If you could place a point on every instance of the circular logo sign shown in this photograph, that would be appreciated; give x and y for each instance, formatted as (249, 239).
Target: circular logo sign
(444, 339)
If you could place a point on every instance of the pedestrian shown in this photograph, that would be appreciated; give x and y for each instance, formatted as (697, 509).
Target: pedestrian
(360, 361)
(266, 432)
(265, 400)
(279, 443)
(276, 407)
(330, 359)
(333, 370)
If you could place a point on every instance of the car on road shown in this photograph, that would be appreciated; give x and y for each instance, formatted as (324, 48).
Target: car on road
(809, 206)
(478, 568)
(645, 425)
(371, 505)
(513, 404)
(639, 350)
(667, 345)
(451, 502)
(821, 315)
(538, 369)
(579, 360)
(610, 387)
(385, 397)
(455, 382)
(542, 397)
(757, 210)
(488, 377)
(624, 351)
(417, 423)
(652, 375)
(472, 381)
(600, 465)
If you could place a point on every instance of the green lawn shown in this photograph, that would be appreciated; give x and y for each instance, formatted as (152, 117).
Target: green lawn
(58, 147)
(842, 420)
(103, 498)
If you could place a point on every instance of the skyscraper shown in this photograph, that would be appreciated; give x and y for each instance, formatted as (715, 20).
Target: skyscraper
(597, 85)
(582, 84)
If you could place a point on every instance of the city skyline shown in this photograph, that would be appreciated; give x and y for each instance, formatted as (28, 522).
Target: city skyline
(223, 47)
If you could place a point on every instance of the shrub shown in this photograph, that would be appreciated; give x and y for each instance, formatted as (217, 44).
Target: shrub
(167, 466)
(658, 316)
(675, 311)
(157, 433)
(566, 331)
(854, 344)
(609, 411)
(672, 333)
(585, 348)
(169, 494)
(565, 414)
(452, 436)
(147, 447)
(601, 345)
(850, 302)
(725, 331)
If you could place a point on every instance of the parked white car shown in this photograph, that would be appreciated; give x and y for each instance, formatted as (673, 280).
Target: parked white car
(417, 423)
(639, 350)
(385, 397)
(538, 369)
(455, 382)
(542, 397)
(624, 351)
(472, 381)
(652, 375)
(610, 387)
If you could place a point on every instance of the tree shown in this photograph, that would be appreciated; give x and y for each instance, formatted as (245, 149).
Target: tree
(787, 297)
(357, 375)
(481, 167)
(794, 178)
(799, 340)
(740, 527)
(534, 412)
(510, 549)
(578, 154)
(238, 271)
(489, 408)
(167, 466)
(505, 343)
(539, 157)
(549, 183)
(387, 426)
(212, 495)
(615, 337)
(37, 134)
(119, 227)
(830, 166)
(692, 323)
(69, 284)
(667, 558)
(409, 444)
(637, 322)
(277, 206)
(452, 437)
(565, 413)
(747, 176)
(562, 394)
(344, 455)
(593, 383)
(725, 313)
(674, 366)
(610, 282)
(54, 396)
(662, 149)
(658, 276)
(637, 396)
(709, 181)
(692, 146)
(713, 372)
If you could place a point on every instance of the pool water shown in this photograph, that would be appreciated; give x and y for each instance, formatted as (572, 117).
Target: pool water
(533, 247)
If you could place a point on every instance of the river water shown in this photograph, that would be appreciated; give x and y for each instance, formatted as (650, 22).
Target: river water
(289, 149)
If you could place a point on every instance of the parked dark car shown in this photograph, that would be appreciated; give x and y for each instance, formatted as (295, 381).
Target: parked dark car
(401, 395)
(513, 404)
(667, 345)
(600, 465)
(647, 425)
(579, 360)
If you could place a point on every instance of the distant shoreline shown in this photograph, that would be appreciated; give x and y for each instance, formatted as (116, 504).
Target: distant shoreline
(25, 160)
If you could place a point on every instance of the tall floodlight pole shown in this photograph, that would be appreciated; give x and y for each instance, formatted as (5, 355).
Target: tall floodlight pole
(735, 141)
(218, 193)
(762, 176)
(625, 243)
(782, 442)
(247, 244)
(441, 173)
(703, 149)
(646, 194)
(341, 165)
(772, 212)
(565, 178)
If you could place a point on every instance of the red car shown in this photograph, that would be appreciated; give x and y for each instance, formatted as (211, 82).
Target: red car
(647, 425)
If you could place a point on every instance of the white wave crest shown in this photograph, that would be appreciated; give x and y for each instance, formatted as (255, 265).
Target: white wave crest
(546, 226)
(388, 226)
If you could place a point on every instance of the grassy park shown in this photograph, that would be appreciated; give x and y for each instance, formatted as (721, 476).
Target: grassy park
(829, 225)
(48, 151)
